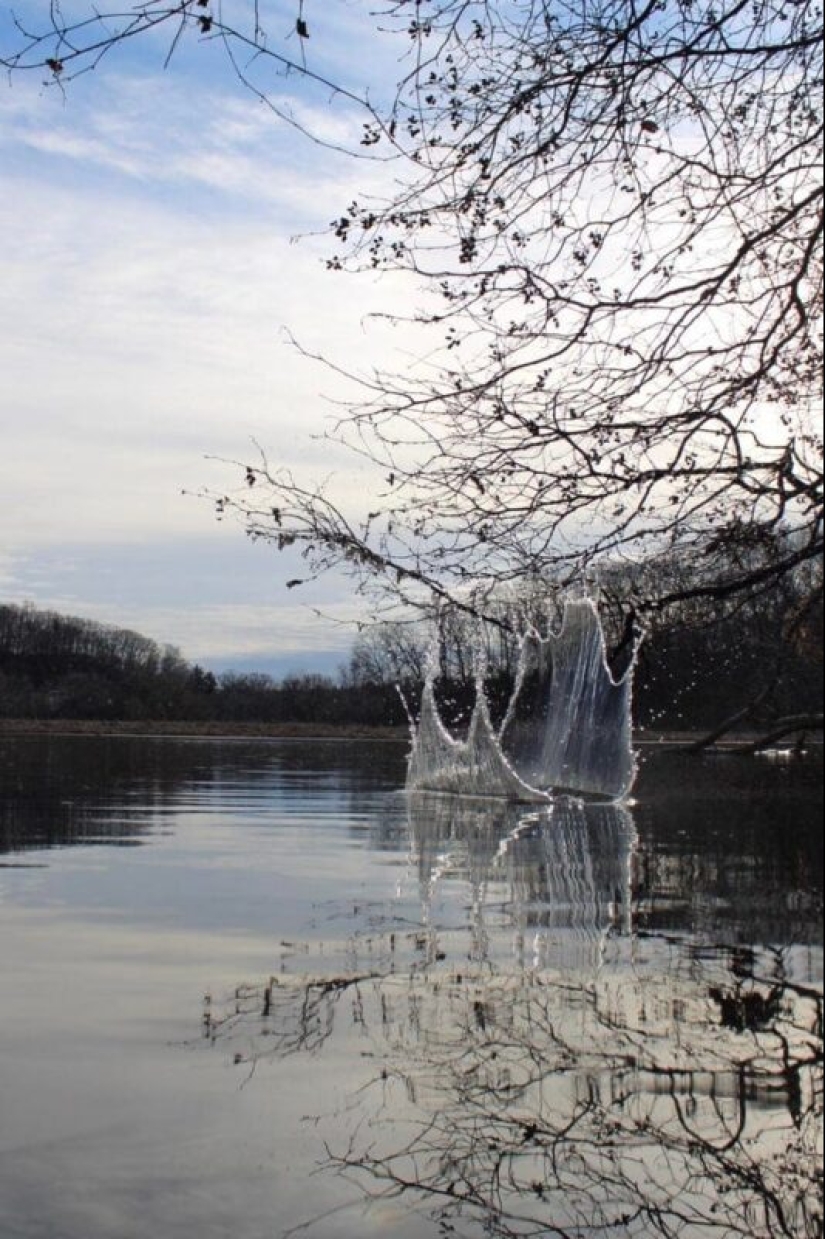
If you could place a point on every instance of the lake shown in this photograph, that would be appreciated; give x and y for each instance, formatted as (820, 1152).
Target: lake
(251, 988)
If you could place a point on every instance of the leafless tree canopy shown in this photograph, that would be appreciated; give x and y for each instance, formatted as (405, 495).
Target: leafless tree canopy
(611, 219)
(614, 214)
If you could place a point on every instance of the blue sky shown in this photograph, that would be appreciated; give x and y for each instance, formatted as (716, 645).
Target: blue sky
(149, 271)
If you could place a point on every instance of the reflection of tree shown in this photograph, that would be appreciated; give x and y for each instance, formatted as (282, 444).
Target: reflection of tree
(745, 872)
(296, 1013)
(58, 791)
(527, 1105)
(554, 1116)
(606, 1086)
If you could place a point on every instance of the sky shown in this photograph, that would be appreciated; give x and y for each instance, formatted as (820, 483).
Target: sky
(150, 273)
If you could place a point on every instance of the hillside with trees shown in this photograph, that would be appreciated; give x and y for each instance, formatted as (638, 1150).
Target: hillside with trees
(59, 666)
(56, 666)
(755, 668)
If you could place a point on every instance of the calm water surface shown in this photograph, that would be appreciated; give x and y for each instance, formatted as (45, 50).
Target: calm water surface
(252, 989)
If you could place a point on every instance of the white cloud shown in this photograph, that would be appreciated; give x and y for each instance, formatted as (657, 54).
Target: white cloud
(166, 131)
(8, 570)
(136, 340)
(147, 273)
(230, 632)
(215, 594)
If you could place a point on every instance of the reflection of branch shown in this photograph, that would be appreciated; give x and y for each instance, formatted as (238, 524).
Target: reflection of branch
(511, 1143)
(794, 724)
(547, 1107)
(297, 1012)
(734, 720)
(640, 1103)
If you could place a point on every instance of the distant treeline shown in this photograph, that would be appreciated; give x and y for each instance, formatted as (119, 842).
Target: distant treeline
(57, 666)
(692, 672)
(753, 664)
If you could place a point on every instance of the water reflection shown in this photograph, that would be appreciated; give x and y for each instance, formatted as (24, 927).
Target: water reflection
(586, 1081)
(518, 1021)
(559, 875)
(727, 849)
(532, 1109)
(516, 1106)
(62, 791)
(730, 849)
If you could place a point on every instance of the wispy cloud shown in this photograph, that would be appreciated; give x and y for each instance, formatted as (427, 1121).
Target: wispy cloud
(148, 273)
(138, 339)
(216, 595)
(163, 134)
(233, 635)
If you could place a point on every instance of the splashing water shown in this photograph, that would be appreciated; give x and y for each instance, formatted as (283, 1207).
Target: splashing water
(568, 725)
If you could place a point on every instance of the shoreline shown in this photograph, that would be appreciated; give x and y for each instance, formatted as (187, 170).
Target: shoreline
(213, 730)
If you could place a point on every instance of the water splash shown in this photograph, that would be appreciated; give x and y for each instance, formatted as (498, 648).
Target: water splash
(568, 725)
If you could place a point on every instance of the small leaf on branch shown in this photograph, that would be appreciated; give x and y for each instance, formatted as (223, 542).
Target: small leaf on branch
(295, 581)
(301, 28)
